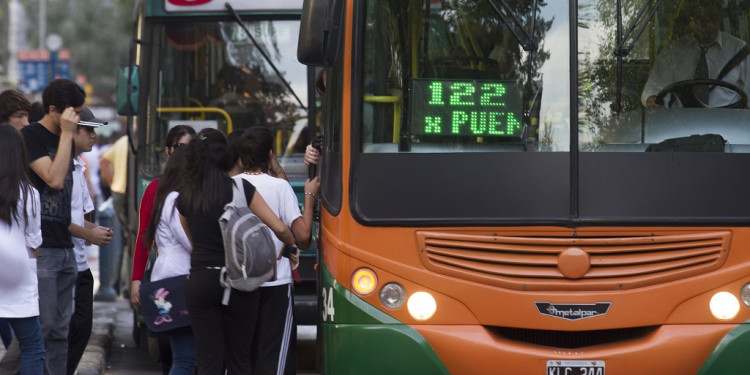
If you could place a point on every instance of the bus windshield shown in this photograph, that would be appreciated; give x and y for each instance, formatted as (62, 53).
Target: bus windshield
(212, 75)
(488, 75)
(559, 122)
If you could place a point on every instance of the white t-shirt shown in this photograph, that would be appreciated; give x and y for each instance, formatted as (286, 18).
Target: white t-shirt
(19, 291)
(80, 205)
(279, 195)
(172, 243)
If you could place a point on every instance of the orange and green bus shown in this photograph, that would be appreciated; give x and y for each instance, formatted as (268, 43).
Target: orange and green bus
(499, 198)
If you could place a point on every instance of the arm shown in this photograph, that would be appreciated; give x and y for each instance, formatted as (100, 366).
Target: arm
(302, 226)
(186, 228)
(53, 172)
(140, 256)
(275, 169)
(107, 171)
(260, 208)
(92, 233)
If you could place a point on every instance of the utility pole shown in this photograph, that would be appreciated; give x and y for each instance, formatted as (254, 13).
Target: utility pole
(42, 22)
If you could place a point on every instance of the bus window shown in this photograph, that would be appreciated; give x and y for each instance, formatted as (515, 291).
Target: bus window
(212, 75)
(464, 76)
(650, 88)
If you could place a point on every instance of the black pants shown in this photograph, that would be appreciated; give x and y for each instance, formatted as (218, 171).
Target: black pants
(275, 342)
(82, 319)
(223, 334)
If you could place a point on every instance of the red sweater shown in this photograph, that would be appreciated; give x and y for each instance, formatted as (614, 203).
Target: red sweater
(144, 217)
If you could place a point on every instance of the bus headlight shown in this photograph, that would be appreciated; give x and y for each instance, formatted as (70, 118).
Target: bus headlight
(364, 281)
(745, 295)
(724, 306)
(392, 295)
(421, 305)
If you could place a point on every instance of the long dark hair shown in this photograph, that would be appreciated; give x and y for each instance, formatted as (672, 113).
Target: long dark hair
(254, 148)
(206, 178)
(171, 180)
(14, 178)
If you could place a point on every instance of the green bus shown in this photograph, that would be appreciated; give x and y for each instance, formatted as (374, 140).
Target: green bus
(227, 65)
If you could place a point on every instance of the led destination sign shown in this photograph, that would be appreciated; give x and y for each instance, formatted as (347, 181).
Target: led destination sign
(466, 108)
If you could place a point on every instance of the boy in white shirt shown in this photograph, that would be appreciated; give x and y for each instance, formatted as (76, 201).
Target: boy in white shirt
(84, 233)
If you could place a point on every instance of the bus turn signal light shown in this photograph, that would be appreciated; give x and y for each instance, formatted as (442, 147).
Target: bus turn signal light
(364, 281)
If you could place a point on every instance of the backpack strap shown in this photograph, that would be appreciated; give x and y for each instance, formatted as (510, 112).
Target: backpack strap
(238, 192)
(732, 63)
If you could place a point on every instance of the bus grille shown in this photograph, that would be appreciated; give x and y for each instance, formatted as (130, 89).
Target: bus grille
(571, 340)
(573, 263)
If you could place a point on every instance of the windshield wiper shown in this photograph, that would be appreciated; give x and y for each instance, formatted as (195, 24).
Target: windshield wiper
(263, 53)
(525, 39)
(622, 51)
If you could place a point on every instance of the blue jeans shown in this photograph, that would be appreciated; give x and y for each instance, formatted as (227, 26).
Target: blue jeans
(57, 273)
(183, 352)
(6, 334)
(29, 335)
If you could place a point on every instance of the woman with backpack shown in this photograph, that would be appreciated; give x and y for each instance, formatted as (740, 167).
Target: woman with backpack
(20, 236)
(223, 334)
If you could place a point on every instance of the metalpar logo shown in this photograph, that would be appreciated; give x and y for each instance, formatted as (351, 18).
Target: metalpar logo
(573, 311)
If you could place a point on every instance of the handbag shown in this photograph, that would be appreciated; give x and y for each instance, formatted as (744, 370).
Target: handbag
(164, 306)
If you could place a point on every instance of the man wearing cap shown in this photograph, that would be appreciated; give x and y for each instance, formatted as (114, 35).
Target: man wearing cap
(84, 232)
(49, 146)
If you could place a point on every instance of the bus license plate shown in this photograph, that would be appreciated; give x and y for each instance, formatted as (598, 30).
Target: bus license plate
(556, 367)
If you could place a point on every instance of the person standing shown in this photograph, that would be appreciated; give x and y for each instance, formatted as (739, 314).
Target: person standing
(173, 259)
(84, 232)
(223, 334)
(274, 343)
(49, 144)
(178, 136)
(14, 109)
(113, 165)
(20, 236)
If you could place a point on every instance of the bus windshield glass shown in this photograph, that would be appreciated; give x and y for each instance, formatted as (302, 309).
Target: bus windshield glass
(465, 75)
(213, 75)
(488, 75)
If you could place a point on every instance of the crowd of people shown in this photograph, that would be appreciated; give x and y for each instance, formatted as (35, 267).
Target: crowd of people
(46, 302)
(49, 307)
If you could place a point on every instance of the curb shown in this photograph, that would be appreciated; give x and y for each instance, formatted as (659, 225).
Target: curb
(94, 360)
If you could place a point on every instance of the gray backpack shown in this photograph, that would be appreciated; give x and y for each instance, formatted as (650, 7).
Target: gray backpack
(249, 251)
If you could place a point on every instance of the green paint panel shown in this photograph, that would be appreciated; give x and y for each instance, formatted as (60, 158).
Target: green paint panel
(730, 356)
(378, 349)
(360, 339)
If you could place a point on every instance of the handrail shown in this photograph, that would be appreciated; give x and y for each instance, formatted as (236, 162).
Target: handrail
(199, 110)
(396, 111)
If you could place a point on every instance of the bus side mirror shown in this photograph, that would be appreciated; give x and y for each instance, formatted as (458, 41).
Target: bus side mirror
(127, 78)
(319, 32)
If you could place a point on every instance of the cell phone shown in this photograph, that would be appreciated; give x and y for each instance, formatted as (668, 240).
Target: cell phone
(289, 250)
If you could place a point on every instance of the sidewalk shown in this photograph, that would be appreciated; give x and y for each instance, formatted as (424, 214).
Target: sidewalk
(94, 360)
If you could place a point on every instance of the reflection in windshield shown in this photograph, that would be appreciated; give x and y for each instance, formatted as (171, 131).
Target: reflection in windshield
(686, 75)
(484, 78)
(210, 69)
